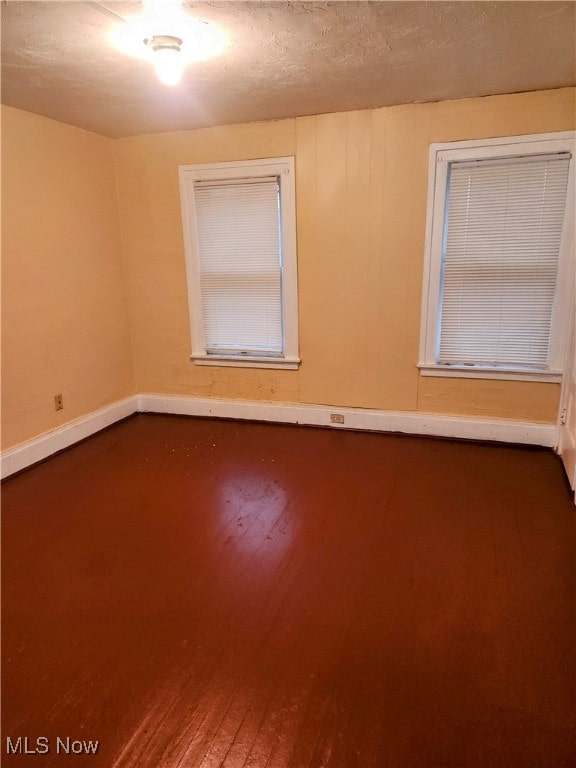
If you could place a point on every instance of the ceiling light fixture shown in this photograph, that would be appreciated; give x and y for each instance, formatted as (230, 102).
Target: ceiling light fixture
(167, 57)
(170, 39)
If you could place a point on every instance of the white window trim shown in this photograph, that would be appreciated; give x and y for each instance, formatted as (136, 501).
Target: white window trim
(283, 167)
(440, 156)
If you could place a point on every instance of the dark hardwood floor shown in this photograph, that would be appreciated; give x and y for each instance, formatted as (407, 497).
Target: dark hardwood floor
(195, 594)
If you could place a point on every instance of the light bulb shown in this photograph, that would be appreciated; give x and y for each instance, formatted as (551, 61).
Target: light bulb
(168, 64)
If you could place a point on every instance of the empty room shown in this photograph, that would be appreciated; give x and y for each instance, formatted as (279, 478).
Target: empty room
(288, 384)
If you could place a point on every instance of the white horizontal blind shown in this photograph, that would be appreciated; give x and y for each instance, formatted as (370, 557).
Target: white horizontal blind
(503, 230)
(238, 229)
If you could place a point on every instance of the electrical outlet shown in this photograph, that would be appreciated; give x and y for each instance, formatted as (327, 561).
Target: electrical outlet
(336, 418)
(58, 404)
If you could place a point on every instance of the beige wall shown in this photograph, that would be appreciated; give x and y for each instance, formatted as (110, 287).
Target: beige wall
(361, 208)
(64, 310)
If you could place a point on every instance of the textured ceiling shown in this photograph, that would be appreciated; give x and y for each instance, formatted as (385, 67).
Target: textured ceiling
(284, 59)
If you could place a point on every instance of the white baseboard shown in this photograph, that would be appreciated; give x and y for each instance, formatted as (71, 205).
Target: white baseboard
(436, 425)
(500, 430)
(25, 454)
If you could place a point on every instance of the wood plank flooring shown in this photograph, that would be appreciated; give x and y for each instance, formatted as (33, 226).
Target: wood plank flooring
(204, 594)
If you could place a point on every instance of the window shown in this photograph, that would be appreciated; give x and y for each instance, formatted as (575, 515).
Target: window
(240, 242)
(499, 258)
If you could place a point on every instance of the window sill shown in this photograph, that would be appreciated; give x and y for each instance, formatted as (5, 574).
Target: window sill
(234, 361)
(506, 374)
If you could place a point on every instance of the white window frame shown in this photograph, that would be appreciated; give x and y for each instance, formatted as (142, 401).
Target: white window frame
(283, 168)
(440, 157)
